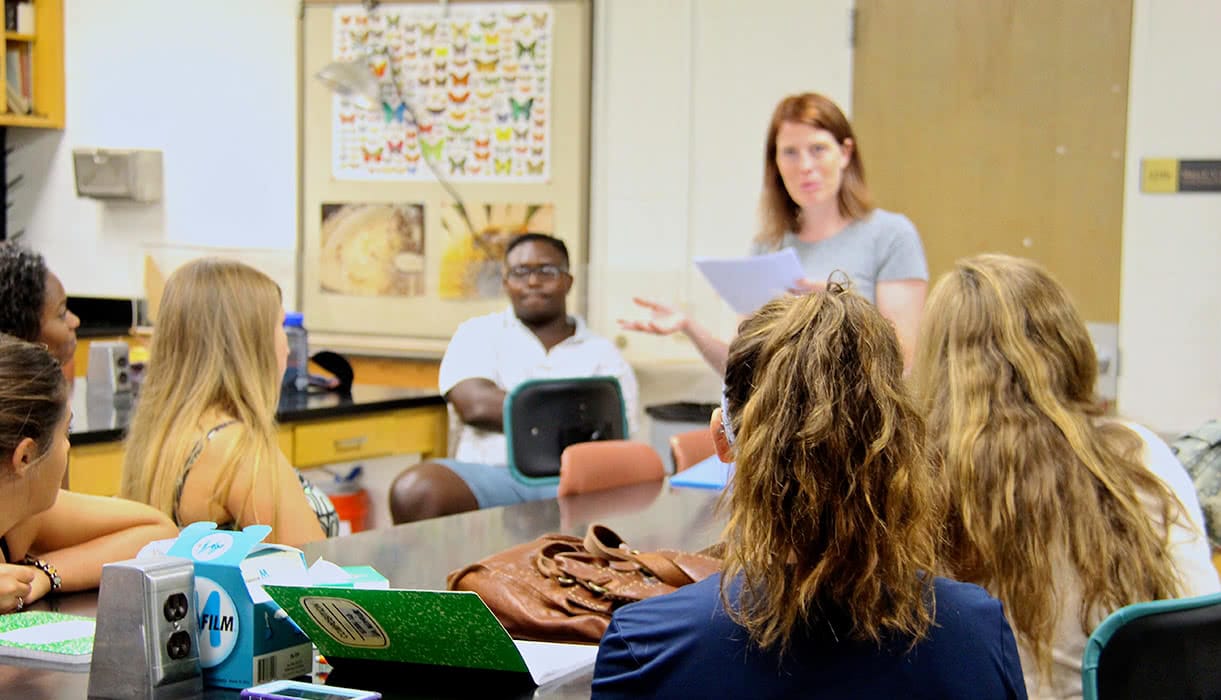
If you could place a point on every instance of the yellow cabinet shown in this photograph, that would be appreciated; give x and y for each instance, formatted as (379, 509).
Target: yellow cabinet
(410, 430)
(341, 440)
(96, 468)
(40, 58)
(422, 430)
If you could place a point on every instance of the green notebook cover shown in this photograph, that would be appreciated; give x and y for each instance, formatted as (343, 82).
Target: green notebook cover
(440, 628)
(46, 640)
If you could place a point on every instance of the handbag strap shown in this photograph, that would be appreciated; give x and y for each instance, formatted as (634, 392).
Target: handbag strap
(604, 542)
(546, 560)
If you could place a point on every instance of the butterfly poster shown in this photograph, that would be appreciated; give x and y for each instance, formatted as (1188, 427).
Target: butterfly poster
(465, 91)
(496, 99)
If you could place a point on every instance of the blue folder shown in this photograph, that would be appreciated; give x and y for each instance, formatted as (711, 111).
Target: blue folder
(711, 473)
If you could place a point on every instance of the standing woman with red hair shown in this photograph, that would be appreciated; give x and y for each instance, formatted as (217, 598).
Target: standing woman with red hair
(815, 201)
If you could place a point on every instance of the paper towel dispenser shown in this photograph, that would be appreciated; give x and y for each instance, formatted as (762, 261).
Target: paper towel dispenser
(131, 174)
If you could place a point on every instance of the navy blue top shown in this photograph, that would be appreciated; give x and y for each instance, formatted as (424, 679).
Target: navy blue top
(684, 645)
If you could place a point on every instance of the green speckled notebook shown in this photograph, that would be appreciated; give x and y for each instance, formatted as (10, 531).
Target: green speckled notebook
(46, 640)
(440, 628)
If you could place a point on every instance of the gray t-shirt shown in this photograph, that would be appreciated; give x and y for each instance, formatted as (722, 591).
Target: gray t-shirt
(881, 247)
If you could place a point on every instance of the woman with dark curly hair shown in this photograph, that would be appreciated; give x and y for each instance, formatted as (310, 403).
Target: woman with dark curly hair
(33, 304)
(830, 550)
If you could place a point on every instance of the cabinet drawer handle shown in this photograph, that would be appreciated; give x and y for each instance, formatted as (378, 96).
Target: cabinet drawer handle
(352, 443)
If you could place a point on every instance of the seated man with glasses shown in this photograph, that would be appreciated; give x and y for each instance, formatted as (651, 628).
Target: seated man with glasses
(488, 356)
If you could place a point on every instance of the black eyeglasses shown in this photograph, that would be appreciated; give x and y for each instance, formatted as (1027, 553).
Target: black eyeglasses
(545, 272)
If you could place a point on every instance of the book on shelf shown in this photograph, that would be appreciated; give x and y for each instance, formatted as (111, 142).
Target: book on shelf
(16, 79)
(16, 103)
(25, 18)
(43, 639)
(10, 15)
(27, 81)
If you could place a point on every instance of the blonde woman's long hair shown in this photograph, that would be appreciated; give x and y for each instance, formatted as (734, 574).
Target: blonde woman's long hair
(833, 509)
(1006, 371)
(213, 352)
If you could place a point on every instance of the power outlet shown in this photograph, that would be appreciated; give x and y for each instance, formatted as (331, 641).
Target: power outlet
(147, 631)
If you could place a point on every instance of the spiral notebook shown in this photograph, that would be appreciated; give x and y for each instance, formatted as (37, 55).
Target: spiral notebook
(43, 639)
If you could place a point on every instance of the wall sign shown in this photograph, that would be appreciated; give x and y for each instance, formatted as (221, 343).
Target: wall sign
(1162, 175)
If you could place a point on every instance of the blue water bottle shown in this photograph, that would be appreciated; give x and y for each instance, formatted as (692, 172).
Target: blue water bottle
(296, 375)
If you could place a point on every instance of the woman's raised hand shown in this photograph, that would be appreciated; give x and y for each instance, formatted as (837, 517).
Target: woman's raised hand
(663, 320)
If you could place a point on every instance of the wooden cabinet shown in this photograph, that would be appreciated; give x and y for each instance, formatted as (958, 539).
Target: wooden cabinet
(39, 55)
(97, 468)
(342, 440)
(420, 431)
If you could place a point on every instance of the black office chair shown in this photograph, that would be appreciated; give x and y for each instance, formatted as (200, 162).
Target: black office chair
(1160, 649)
(543, 416)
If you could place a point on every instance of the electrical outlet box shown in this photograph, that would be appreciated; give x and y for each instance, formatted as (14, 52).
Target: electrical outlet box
(109, 372)
(132, 174)
(1106, 344)
(147, 631)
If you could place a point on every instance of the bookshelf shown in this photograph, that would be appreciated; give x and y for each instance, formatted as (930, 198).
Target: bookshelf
(32, 65)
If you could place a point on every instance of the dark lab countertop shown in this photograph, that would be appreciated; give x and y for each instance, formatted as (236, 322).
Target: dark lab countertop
(98, 419)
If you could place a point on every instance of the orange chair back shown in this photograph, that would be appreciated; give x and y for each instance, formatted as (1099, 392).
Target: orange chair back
(607, 464)
(691, 447)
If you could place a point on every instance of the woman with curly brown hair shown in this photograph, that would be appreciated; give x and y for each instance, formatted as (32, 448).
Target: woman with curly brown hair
(830, 548)
(1061, 513)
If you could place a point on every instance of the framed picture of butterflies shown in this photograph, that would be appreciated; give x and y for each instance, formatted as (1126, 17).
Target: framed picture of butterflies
(496, 98)
(477, 78)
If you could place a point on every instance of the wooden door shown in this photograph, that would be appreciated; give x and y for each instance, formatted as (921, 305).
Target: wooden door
(999, 126)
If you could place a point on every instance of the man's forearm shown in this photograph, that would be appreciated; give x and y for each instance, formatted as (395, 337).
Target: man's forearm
(484, 414)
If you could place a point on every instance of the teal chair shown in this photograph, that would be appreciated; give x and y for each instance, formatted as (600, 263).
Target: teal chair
(1160, 649)
(544, 416)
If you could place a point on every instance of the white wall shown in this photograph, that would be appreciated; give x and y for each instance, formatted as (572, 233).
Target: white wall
(683, 91)
(213, 84)
(1170, 304)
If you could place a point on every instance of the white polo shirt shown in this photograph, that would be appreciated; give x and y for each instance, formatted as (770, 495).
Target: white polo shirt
(500, 348)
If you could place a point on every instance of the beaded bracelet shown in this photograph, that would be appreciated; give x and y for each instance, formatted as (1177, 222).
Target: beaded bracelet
(46, 568)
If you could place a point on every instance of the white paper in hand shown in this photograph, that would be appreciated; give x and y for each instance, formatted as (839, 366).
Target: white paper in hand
(750, 282)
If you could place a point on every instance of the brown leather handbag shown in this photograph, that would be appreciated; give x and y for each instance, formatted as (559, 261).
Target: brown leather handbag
(560, 588)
